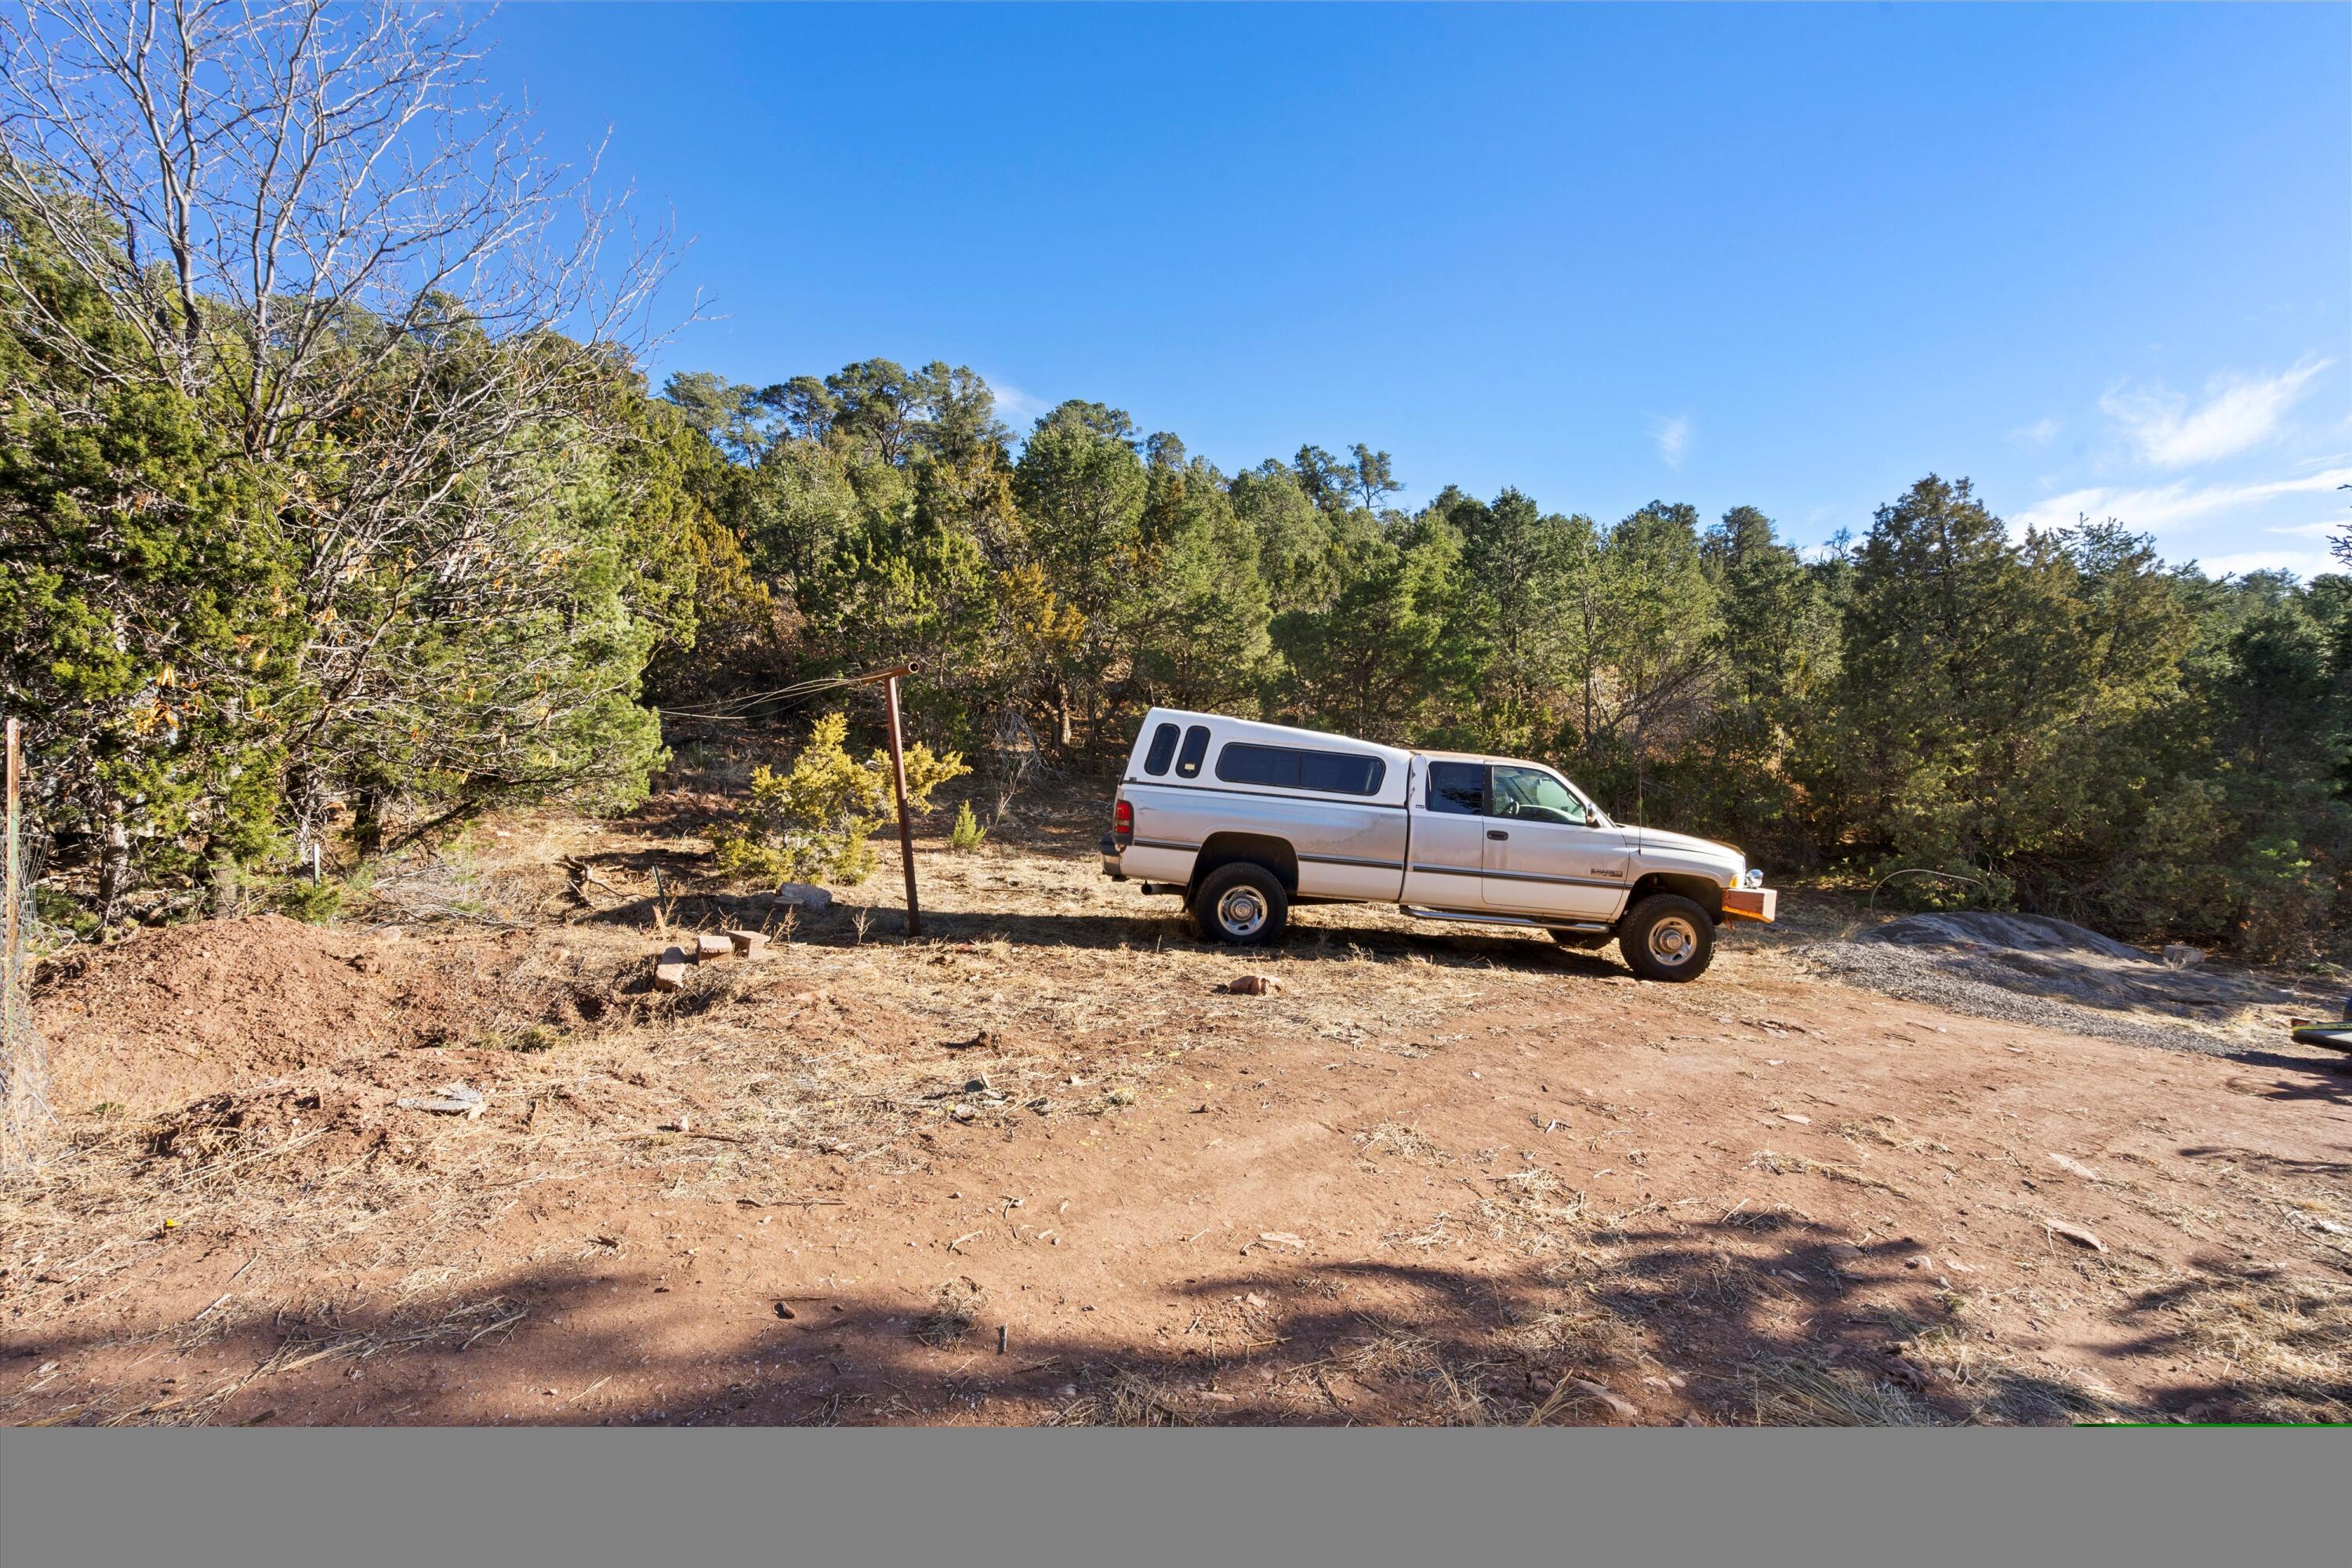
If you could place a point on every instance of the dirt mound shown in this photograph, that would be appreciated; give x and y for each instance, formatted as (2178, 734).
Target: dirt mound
(189, 1010)
(190, 1007)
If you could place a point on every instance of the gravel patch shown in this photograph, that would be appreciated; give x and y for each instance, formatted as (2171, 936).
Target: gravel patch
(1944, 980)
(2030, 969)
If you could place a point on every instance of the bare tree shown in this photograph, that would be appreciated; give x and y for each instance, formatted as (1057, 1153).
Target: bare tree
(319, 222)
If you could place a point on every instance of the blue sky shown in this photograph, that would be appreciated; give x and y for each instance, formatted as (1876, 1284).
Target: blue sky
(2097, 258)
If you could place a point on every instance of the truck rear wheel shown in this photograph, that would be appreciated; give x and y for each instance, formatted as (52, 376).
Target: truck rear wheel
(1666, 937)
(1242, 904)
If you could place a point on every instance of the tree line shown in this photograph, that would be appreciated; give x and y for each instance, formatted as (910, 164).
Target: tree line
(332, 479)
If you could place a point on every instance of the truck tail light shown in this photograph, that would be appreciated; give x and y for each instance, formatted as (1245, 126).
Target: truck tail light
(1122, 823)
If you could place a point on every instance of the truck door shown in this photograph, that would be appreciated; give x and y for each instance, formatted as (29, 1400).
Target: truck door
(1447, 804)
(1544, 855)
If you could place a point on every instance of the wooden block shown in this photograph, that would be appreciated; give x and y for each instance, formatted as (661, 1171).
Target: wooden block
(712, 944)
(749, 944)
(1752, 903)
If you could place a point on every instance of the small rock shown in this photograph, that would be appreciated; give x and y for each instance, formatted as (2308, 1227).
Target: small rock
(1799, 1120)
(802, 895)
(1282, 1237)
(2181, 955)
(669, 972)
(1255, 986)
(961, 1112)
(785, 1312)
(1255, 1300)
(712, 944)
(1844, 1251)
(2075, 1234)
(2075, 1167)
(1918, 1260)
(977, 1086)
(984, 1040)
(1621, 1406)
(450, 1099)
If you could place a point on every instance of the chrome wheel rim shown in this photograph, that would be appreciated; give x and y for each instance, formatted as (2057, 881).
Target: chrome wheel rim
(1674, 941)
(1241, 911)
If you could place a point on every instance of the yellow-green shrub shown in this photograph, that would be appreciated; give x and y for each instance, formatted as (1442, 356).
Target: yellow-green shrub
(812, 821)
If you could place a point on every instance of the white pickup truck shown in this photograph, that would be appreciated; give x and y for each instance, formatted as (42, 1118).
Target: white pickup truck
(1243, 820)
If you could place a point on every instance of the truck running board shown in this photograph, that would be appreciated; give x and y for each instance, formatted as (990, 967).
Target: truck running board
(1422, 914)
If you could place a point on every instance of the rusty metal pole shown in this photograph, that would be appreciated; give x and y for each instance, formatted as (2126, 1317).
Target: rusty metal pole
(906, 824)
(8, 953)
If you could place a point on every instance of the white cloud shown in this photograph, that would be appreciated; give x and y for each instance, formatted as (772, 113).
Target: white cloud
(2041, 433)
(2316, 530)
(1014, 405)
(2302, 562)
(2164, 507)
(1673, 436)
(2238, 412)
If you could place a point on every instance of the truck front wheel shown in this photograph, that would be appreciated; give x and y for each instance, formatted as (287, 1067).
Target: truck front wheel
(1666, 937)
(1242, 904)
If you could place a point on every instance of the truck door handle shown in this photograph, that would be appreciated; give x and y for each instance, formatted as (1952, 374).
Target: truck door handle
(1496, 833)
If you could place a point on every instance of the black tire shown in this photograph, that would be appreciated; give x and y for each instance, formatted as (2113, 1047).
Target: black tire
(1243, 905)
(1666, 937)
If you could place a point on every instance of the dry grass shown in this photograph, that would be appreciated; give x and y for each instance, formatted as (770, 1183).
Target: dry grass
(1438, 1387)
(1806, 1391)
(1779, 1164)
(304, 1339)
(956, 1306)
(1122, 1399)
(1968, 1365)
(2285, 1339)
(1403, 1141)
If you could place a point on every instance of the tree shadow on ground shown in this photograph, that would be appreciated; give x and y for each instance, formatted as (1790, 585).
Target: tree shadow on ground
(2284, 1340)
(1762, 1320)
(2324, 1078)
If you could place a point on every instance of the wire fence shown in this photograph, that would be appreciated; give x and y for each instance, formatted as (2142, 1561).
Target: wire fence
(25, 1120)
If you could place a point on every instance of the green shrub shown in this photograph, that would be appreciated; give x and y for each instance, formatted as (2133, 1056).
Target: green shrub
(965, 835)
(317, 903)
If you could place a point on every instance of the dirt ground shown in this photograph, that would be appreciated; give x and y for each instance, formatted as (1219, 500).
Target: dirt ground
(1040, 1166)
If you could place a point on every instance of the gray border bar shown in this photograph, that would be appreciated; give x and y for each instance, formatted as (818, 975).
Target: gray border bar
(2084, 1497)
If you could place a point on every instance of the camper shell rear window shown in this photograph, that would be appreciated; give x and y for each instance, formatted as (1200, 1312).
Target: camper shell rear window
(1163, 750)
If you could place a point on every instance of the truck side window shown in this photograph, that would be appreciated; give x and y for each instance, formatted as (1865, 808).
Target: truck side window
(1196, 747)
(1535, 796)
(1163, 750)
(1458, 789)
